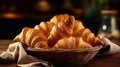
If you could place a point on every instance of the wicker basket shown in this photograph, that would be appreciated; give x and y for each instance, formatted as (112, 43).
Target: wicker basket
(65, 56)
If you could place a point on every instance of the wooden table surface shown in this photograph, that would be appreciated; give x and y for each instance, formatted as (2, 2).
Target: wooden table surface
(104, 61)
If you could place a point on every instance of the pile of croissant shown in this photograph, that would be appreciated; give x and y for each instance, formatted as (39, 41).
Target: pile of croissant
(62, 31)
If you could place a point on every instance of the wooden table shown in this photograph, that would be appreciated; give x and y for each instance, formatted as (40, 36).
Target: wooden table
(104, 61)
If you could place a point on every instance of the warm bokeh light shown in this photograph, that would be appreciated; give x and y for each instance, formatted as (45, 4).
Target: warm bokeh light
(9, 15)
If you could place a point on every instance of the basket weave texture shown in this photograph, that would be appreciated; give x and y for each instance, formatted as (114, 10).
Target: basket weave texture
(65, 56)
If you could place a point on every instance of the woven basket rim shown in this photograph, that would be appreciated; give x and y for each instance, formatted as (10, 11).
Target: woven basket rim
(64, 50)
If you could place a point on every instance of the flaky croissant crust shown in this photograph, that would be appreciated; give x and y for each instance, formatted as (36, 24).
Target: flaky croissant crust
(32, 38)
(72, 43)
(62, 31)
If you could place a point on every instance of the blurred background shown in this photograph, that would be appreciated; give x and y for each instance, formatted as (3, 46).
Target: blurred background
(16, 14)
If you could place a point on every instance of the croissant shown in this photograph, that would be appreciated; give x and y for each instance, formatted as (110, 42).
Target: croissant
(80, 31)
(59, 18)
(45, 27)
(77, 28)
(60, 30)
(72, 43)
(32, 38)
(56, 19)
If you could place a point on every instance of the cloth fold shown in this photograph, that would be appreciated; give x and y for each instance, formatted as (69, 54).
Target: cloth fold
(16, 52)
(109, 47)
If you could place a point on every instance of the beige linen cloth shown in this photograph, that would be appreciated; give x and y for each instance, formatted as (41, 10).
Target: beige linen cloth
(16, 52)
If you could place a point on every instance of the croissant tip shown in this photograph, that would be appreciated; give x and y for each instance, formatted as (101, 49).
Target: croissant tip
(16, 38)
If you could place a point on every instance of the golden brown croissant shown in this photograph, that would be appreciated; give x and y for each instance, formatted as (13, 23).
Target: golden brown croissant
(56, 19)
(59, 18)
(72, 43)
(45, 27)
(63, 29)
(32, 38)
(77, 28)
(80, 31)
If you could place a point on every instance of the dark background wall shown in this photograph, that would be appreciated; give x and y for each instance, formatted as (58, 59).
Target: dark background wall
(88, 11)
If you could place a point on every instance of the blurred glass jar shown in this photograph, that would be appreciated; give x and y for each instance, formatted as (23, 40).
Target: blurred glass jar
(108, 27)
